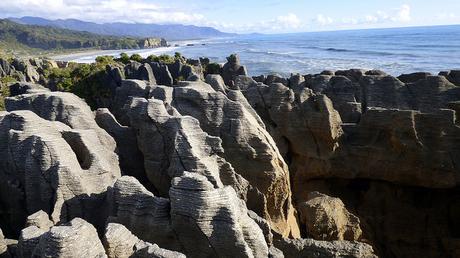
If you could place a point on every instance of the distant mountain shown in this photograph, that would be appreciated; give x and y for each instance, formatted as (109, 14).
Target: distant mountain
(169, 32)
(15, 36)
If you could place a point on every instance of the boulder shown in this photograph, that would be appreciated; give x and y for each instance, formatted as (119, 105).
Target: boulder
(3, 247)
(232, 68)
(326, 218)
(175, 69)
(299, 248)
(145, 73)
(39, 219)
(162, 74)
(352, 74)
(132, 70)
(77, 238)
(119, 242)
(147, 250)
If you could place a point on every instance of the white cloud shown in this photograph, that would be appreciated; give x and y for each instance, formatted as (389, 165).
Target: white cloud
(323, 20)
(98, 11)
(403, 14)
(290, 21)
(397, 15)
(447, 17)
(283, 23)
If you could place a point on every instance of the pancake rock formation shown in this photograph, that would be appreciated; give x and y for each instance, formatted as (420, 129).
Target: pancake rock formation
(187, 159)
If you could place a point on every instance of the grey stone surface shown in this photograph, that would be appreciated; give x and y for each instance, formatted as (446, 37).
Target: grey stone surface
(53, 168)
(232, 68)
(212, 221)
(145, 215)
(40, 219)
(77, 238)
(162, 74)
(299, 248)
(131, 159)
(247, 146)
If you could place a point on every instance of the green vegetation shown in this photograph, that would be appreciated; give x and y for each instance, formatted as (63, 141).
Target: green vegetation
(167, 59)
(212, 68)
(136, 57)
(85, 80)
(4, 90)
(27, 39)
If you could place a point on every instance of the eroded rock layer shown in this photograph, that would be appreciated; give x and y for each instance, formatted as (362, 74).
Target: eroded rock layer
(340, 164)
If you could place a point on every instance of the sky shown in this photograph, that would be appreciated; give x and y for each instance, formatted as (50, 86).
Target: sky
(264, 16)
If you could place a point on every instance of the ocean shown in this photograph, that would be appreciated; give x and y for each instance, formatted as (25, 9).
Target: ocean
(395, 51)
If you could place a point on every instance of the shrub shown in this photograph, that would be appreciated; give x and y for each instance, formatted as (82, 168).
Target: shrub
(124, 58)
(152, 58)
(213, 68)
(137, 58)
(165, 59)
(105, 60)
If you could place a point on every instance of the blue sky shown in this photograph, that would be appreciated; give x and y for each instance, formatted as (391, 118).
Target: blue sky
(266, 16)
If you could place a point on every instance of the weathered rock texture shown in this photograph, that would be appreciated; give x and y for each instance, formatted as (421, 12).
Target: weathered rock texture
(230, 167)
(364, 127)
(119, 242)
(297, 248)
(247, 146)
(78, 238)
(49, 166)
(215, 218)
(326, 218)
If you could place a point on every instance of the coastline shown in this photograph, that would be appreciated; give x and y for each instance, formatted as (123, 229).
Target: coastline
(88, 56)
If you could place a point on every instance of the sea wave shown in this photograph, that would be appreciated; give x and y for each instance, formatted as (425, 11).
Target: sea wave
(361, 52)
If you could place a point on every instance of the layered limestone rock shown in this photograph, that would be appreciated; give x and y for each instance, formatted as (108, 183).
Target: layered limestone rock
(232, 69)
(326, 218)
(386, 144)
(247, 146)
(3, 246)
(39, 219)
(299, 248)
(370, 128)
(51, 167)
(201, 220)
(144, 214)
(172, 144)
(213, 217)
(77, 238)
(63, 107)
(119, 242)
(131, 159)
